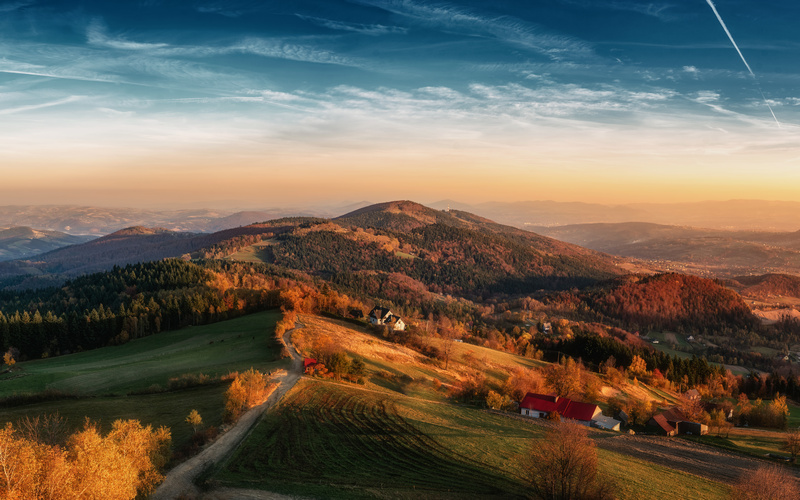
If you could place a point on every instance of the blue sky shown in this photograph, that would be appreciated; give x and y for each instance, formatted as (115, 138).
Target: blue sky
(266, 103)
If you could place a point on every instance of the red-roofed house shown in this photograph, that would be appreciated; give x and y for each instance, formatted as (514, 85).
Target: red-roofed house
(660, 423)
(541, 405)
(308, 362)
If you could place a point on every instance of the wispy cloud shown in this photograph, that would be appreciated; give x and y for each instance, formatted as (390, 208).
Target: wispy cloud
(291, 50)
(96, 35)
(658, 10)
(364, 29)
(32, 107)
(12, 6)
(508, 29)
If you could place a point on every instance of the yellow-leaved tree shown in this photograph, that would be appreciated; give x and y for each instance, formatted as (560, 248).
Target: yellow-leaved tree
(247, 390)
(118, 466)
(195, 420)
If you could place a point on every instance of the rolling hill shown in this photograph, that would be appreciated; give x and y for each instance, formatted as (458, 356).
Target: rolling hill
(446, 252)
(21, 242)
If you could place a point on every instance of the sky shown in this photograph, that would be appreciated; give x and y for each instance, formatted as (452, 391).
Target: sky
(246, 103)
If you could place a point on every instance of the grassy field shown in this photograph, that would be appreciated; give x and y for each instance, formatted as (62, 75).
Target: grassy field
(254, 253)
(169, 409)
(346, 442)
(350, 443)
(104, 376)
(767, 352)
(755, 441)
(394, 368)
(211, 349)
(639, 480)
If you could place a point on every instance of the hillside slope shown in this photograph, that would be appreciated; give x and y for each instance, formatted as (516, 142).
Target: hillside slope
(447, 252)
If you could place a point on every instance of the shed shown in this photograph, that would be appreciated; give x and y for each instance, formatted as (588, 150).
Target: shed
(607, 423)
(660, 423)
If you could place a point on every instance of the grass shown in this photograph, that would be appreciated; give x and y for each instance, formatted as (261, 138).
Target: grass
(351, 443)
(794, 414)
(394, 368)
(767, 352)
(335, 441)
(672, 352)
(169, 409)
(211, 349)
(637, 479)
(755, 441)
(254, 253)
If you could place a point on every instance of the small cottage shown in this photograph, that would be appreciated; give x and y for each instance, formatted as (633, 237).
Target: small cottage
(383, 316)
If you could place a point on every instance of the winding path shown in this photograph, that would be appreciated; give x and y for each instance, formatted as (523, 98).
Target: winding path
(179, 482)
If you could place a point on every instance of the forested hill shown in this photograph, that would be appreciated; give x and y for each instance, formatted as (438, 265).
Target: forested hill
(405, 216)
(443, 252)
(128, 246)
(672, 301)
(767, 285)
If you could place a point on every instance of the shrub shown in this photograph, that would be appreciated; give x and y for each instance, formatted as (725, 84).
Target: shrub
(563, 466)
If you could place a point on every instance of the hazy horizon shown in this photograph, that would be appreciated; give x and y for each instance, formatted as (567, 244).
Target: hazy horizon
(202, 103)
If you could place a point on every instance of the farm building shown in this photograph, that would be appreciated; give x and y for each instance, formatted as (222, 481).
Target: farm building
(607, 423)
(541, 405)
(678, 422)
(383, 316)
(660, 424)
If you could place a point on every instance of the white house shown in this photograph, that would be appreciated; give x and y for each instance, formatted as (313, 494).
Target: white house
(383, 316)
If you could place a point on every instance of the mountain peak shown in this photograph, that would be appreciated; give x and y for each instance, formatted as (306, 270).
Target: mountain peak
(401, 215)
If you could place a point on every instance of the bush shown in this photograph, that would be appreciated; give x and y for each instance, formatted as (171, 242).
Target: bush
(766, 483)
(563, 466)
(247, 390)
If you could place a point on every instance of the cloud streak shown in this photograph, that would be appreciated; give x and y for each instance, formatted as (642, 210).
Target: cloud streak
(507, 29)
(364, 29)
(727, 32)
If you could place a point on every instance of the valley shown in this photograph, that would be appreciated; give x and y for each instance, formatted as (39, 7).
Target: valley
(150, 324)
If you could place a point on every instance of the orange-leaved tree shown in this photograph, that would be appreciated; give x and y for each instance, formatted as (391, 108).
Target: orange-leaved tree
(247, 390)
(119, 466)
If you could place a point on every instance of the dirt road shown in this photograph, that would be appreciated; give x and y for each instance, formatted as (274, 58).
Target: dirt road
(179, 482)
(694, 458)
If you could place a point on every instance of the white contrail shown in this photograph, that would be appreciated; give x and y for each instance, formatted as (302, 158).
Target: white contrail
(727, 32)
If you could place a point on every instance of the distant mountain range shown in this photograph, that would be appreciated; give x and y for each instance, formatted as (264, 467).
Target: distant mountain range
(722, 253)
(758, 215)
(453, 252)
(23, 242)
(755, 215)
(98, 221)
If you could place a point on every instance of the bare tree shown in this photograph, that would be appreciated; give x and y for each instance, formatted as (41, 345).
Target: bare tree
(766, 483)
(563, 466)
(792, 444)
(448, 334)
(50, 429)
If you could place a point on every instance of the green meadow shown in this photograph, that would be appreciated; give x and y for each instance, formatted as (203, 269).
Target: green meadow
(214, 350)
(341, 441)
(102, 380)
